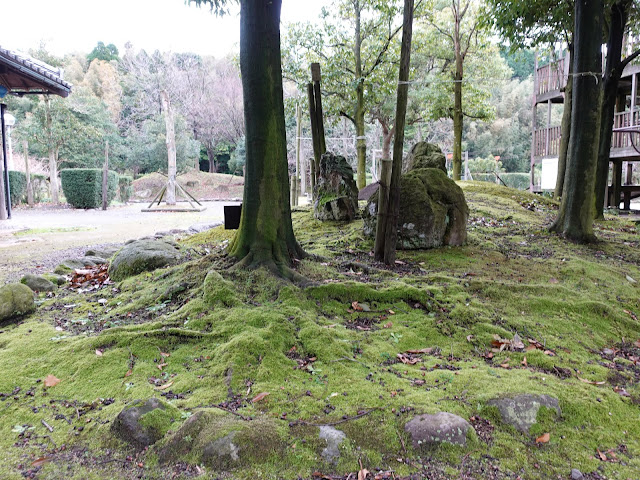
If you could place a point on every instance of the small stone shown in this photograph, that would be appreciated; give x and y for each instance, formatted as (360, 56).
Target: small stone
(16, 300)
(334, 438)
(576, 474)
(607, 352)
(438, 428)
(38, 283)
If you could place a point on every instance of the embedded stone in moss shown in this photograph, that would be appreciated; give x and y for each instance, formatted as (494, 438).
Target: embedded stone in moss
(442, 427)
(105, 252)
(16, 300)
(334, 438)
(521, 411)
(218, 291)
(144, 423)
(336, 192)
(38, 283)
(222, 442)
(55, 279)
(433, 211)
(95, 259)
(71, 264)
(142, 256)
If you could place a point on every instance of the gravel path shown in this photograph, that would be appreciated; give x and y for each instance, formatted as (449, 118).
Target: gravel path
(37, 239)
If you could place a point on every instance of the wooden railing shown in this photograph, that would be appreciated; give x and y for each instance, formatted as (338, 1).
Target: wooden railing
(550, 77)
(546, 142)
(621, 120)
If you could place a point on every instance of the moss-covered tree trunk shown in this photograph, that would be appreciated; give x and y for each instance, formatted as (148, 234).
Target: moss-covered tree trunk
(575, 218)
(457, 95)
(612, 74)
(565, 130)
(265, 237)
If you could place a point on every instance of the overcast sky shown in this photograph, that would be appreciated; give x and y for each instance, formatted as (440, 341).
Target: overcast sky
(168, 25)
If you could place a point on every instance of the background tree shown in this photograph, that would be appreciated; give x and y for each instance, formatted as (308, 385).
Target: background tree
(103, 52)
(357, 46)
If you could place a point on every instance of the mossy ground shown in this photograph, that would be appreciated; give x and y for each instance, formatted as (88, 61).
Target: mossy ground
(324, 359)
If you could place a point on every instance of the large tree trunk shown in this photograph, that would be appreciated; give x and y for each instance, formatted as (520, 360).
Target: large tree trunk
(53, 156)
(575, 218)
(565, 130)
(265, 237)
(361, 143)
(612, 74)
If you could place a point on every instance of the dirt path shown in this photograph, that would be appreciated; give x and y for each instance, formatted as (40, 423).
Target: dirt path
(36, 240)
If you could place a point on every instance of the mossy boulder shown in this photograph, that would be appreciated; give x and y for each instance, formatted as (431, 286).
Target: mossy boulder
(54, 278)
(143, 423)
(433, 211)
(142, 256)
(16, 300)
(38, 283)
(105, 252)
(69, 265)
(425, 155)
(521, 411)
(223, 443)
(218, 291)
(336, 192)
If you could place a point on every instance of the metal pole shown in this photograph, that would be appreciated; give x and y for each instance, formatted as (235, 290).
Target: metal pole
(7, 187)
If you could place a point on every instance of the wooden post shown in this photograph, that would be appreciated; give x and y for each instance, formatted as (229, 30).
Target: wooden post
(105, 176)
(298, 144)
(171, 148)
(315, 78)
(617, 183)
(383, 206)
(3, 203)
(315, 164)
(25, 149)
(7, 187)
(533, 122)
(629, 181)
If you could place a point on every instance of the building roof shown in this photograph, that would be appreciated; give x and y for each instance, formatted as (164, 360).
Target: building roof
(21, 74)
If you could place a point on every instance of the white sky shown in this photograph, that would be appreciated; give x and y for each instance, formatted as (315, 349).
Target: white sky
(68, 26)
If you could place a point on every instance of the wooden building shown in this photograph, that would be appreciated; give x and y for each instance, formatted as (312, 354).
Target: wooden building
(549, 83)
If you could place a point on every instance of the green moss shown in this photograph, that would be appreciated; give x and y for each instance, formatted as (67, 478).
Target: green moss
(218, 291)
(160, 419)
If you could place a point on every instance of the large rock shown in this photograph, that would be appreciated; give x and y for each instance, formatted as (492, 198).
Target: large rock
(144, 423)
(142, 256)
(334, 438)
(433, 211)
(336, 191)
(38, 283)
(222, 442)
(424, 155)
(429, 430)
(16, 300)
(521, 411)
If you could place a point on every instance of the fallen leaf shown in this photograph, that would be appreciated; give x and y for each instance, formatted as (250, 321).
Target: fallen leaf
(163, 354)
(362, 474)
(165, 386)
(407, 360)
(99, 353)
(550, 353)
(470, 338)
(161, 366)
(259, 397)
(504, 365)
(388, 325)
(591, 382)
(631, 280)
(400, 262)
(422, 350)
(129, 373)
(524, 361)
(40, 461)
(602, 456)
(51, 381)
(543, 438)
(356, 306)
(391, 312)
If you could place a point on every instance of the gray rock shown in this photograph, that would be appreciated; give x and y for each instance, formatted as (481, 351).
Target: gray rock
(96, 260)
(104, 252)
(521, 411)
(434, 429)
(71, 264)
(177, 231)
(142, 256)
(55, 279)
(202, 227)
(130, 427)
(433, 211)
(221, 451)
(425, 155)
(16, 300)
(38, 283)
(336, 191)
(334, 438)
(576, 474)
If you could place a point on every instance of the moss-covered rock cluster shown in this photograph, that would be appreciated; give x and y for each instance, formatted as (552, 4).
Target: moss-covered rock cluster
(336, 192)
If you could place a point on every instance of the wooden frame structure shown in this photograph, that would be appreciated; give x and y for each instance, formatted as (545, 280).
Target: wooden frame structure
(549, 83)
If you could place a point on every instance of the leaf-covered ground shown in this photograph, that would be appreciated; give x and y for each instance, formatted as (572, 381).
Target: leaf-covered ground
(366, 348)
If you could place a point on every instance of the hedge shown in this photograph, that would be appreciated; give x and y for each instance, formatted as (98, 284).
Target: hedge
(513, 180)
(125, 186)
(82, 187)
(17, 186)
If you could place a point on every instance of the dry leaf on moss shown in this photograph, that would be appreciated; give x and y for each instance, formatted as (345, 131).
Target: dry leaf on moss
(51, 381)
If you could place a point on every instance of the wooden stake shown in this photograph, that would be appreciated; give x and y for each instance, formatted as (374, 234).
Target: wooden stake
(105, 176)
(314, 137)
(171, 148)
(25, 149)
(383, 206)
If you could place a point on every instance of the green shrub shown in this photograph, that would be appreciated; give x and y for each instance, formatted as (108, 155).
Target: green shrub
(125, 187)
(82, 187)
(18, 186)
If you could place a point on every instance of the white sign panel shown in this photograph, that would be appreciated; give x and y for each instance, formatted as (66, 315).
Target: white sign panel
(549, 173)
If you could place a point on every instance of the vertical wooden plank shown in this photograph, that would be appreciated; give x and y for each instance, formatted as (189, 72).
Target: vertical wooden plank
(25, 149)
(617, 183)
(105, 176)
